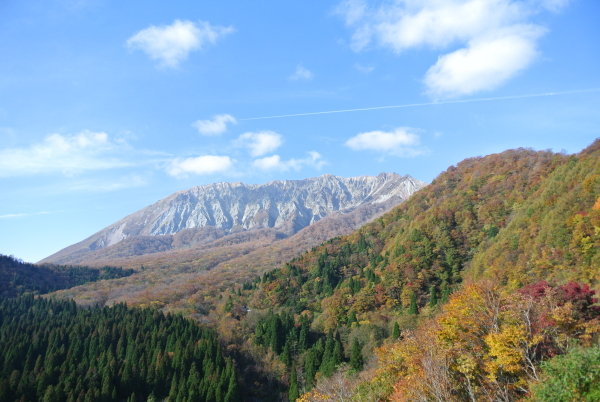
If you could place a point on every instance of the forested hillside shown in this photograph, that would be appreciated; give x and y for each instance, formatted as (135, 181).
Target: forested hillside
(17, 277)
(190, 280)
(497, 223)
(54, 351)
(481, 287)
(554, 234)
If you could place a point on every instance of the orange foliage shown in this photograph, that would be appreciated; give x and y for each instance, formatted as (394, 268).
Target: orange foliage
(487, 344)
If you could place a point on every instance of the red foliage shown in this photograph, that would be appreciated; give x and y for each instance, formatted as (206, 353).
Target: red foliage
(536, 290)
(581, 297)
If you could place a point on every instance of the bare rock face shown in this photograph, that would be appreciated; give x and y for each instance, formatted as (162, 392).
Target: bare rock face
(286, 206)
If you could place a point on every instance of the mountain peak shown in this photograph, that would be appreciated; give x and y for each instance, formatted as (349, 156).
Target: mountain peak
(286, 206)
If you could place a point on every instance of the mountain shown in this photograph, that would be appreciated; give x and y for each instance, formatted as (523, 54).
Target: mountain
(19, 278)
(183, 271)
(462, 292)
(423, 248)
(239, 212)
(516, 217)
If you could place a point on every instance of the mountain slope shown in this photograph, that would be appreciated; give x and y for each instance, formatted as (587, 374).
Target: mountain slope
(500, 223)
(18, 277)
(188, 277)
(201, 215)
(509, 221)
(553, 235)
(421, 248)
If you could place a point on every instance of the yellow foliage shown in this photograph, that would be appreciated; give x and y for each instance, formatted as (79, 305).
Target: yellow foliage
(506, 351)
(313, 396)
(390, 361)
(591, 330)
(589, 183)
(466, 318)
(485, 345)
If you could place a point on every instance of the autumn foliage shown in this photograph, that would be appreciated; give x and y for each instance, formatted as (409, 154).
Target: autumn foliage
(503, 224)
(468, 291)
(487, 344)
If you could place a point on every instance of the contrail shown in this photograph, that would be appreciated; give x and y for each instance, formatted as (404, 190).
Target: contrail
(428, 104)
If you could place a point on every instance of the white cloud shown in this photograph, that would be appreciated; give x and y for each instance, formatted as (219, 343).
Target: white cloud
(9, 216)
(485, 64)
(269, 163)
(302, 73)
(216, 126)
(479, 26)
(260, 143)
(364, 69)
(171, 44)
(314, 159)
(352, 10)
(437, 24)
(206, 164)
(67, 154)
(400, 142)
(554, 5)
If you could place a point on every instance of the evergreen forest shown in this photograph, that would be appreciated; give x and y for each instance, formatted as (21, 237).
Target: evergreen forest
(481, 287)
(18, 277)
(54, 351)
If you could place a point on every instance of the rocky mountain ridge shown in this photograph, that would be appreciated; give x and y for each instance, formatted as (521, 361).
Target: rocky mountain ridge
(204, 213)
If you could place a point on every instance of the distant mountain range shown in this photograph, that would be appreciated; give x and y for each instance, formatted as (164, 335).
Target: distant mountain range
(179, 226)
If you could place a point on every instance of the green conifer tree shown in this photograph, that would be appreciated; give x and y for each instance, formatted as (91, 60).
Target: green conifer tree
(232, 394)
(259, 334)
(303, 337)
(326, 363)
(356, 359)
(396, 331)
(293, 392)
(274, 333)
(106, 389)
(445, 293)
(432, 296)
(351, 285)
(286, 354)
(337, 357)
(229, 305)
(311, 364)
(356, 286)
(413, 309)
(352, 318)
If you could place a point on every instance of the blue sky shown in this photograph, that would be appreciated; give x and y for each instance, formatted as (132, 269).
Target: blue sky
(109, 106)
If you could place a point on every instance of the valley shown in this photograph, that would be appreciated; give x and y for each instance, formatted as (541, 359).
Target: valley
(465, 290)
(300, 201)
